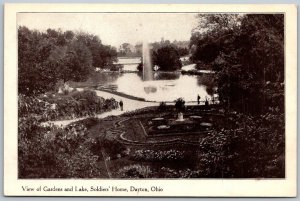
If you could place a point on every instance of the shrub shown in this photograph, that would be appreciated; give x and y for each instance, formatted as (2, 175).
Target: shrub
(111, 146)
(180, 104)
(162, 106)
(253, 148)
(75, 104)
(32, 105)
(80, 164)
(51, 152)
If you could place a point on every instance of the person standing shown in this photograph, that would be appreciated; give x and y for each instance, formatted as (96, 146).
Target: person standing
(206, 102)
(198, 99)
(121, 105)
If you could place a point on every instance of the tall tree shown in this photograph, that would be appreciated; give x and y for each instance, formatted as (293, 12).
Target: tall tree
(167, 58)
(247, 51)
(103, 55)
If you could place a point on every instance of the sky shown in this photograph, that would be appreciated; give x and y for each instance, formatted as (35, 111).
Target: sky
(116, 28)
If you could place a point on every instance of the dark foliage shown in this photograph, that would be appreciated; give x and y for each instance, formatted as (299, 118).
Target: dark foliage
(75, 104)
(153, 155)
(135, 171)
(50, 152)
(180, 104)
(162, 106)
(110, 146)
(247, 52)
(46, 58)
(253, 148)
(167, 58)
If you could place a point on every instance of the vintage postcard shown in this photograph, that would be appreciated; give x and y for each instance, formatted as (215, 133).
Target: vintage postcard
(150, 100)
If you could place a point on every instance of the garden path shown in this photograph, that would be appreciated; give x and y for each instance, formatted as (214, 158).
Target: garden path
(128, 105)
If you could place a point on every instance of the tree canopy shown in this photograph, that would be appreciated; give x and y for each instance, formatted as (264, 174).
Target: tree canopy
(166, 55)
(247, 52)
(167, 58)
(44, 58)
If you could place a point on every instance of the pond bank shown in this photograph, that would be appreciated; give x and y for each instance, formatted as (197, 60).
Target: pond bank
(129, 105)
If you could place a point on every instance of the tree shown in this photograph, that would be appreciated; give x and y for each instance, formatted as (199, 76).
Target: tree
(103, 55)
(77, 63)
(46, 58)
(183, 51)
(246, 51)
(247, 54)
(33, 50)
(69, 35)
(167, 58)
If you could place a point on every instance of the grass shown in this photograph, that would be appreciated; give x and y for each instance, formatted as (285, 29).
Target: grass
(133, 130)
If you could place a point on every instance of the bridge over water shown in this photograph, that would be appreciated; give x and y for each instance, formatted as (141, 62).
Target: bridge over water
(129, 60)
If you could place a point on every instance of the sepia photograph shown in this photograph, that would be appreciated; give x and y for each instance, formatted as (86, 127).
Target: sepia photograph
(150, 95)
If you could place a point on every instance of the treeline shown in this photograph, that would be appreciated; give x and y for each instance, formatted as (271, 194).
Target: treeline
(44, 58)
(247, 52)
(180, 46)
(166, 55)
(128, 50)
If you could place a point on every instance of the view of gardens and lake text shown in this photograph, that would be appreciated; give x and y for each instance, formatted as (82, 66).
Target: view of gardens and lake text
(151, 95)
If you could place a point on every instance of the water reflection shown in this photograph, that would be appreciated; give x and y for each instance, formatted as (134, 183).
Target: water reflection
(164, 87)
(150, 89)
(185, 86)
(105, 78)
(167, 75)
(208, 81)
(163, 75)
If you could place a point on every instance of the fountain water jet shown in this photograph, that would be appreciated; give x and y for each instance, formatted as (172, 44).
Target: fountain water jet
(147, 64)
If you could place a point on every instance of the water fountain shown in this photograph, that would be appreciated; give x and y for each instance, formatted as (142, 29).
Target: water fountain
(147, 64)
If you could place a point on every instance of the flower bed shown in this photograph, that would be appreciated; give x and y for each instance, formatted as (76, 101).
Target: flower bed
(158, 155)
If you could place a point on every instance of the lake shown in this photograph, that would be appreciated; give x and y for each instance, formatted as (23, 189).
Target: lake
(165, 86)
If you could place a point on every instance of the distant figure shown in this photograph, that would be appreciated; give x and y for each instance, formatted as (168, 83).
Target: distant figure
(198, 99)
(206, 102)
(121, 105)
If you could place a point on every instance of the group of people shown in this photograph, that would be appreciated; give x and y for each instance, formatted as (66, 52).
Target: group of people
(198, 100)
(206, 100)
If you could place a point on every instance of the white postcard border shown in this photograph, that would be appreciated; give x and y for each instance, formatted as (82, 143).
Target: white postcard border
(171, 187)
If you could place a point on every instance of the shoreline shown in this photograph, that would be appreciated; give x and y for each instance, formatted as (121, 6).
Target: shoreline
(132, 103)
(143, 99)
